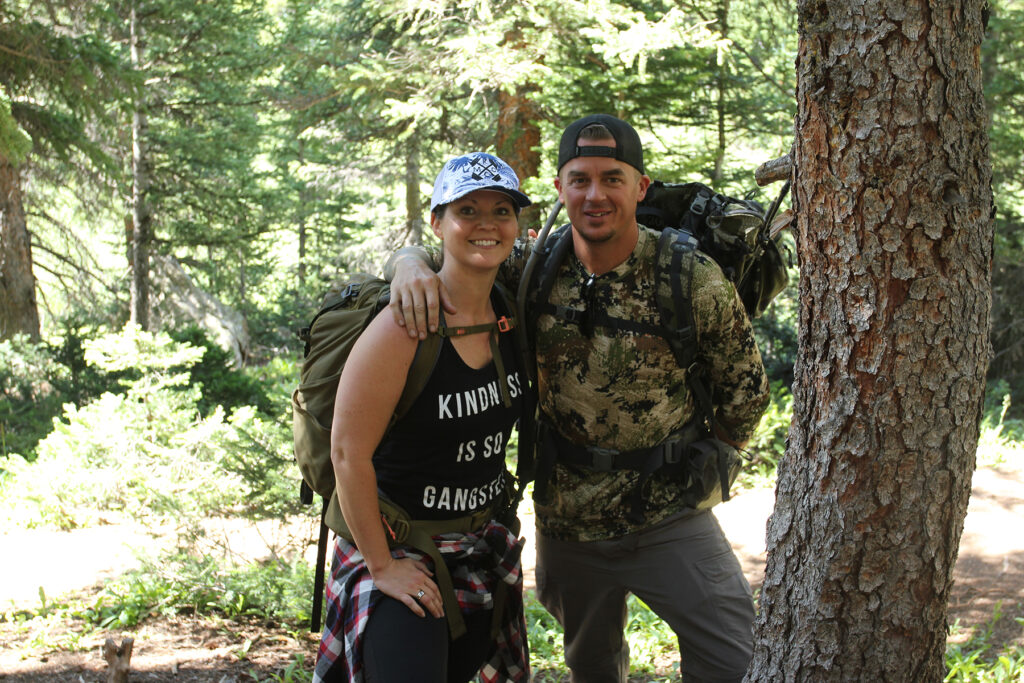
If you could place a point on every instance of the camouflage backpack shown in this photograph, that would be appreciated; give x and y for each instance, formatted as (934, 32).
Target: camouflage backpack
(734, 232)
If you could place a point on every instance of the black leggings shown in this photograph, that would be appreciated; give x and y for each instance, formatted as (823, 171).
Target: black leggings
(400, 647)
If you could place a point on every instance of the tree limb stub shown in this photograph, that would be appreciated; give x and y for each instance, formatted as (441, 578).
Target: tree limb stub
(118, 659)
(774, 170)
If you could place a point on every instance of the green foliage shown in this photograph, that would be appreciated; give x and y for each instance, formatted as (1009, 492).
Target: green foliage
(650, 639)
(15, 144)
(62, 74)
(222, 385)
(27, 399)
(36, 380)
(1002, 53)
(651, 642)
(294, 672)
(976, 662)
(544, 633)
(768, 444)
(201, 65)
(775, 329)
(148, 452)
(274, 591)
(1002, 438)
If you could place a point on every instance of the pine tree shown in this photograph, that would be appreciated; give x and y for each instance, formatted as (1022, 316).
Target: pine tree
(59, 75)
(893, 203)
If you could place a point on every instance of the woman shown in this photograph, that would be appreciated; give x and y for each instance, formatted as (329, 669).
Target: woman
(388, 619)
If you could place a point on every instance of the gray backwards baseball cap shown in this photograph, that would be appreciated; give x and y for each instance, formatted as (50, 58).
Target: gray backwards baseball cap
(627, 142)
(476, 171)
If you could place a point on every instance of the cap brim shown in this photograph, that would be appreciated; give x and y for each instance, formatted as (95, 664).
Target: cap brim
(521, 199)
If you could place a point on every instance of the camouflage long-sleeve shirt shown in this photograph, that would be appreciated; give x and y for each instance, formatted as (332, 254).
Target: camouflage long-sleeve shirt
(624, 390)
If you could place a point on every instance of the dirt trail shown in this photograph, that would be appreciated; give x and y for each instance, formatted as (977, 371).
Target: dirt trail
(989, 576)
(989, 573)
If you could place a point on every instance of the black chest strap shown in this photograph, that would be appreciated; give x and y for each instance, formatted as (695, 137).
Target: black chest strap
(589, 318)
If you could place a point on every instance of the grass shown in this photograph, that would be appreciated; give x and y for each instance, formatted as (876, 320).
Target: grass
(241, 603)
(653, 649)
(978, 661)
(278, 594)
(294, 672)
(652, 645)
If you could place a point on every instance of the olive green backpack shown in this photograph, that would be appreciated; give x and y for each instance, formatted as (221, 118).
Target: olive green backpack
(346, 311)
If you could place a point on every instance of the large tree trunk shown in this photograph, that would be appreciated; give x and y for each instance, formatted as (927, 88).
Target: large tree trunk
(722, 88)
(18, 310)
(518, 142)
(141, 217)
(893, 205)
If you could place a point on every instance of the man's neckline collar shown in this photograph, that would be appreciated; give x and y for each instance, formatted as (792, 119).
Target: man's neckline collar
(624, 268)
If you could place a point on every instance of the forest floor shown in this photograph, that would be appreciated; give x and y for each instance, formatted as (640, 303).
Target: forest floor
(989, 580)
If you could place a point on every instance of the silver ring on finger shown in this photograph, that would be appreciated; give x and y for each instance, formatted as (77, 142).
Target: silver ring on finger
(420, 594)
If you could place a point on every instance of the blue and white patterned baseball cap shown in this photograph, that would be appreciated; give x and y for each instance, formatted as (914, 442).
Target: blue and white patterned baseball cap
(475, 171)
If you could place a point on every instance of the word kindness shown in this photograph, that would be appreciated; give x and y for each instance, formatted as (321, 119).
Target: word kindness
(474, 401)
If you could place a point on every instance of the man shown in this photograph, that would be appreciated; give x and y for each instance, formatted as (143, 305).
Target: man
(606, 389)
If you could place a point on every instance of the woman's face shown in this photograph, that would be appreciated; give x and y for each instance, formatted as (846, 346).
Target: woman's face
(478, 229)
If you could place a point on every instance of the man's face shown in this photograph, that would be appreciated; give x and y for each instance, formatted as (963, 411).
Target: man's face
(600, 195)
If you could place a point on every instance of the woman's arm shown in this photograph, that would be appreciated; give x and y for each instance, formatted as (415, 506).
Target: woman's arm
(368, 392)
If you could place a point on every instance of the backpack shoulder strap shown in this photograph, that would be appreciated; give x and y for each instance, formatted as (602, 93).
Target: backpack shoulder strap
(532, 463)
(673, 275)
(427, 353)
(429, 350)
(673, 291)
(552, 257)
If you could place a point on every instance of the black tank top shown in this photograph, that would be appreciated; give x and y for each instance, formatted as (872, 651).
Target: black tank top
(446, 457)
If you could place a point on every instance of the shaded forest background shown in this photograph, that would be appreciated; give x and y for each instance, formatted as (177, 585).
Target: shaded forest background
(267, 145)
(180, 182)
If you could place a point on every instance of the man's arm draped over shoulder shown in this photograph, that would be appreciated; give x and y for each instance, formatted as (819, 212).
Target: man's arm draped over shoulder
(416, 290)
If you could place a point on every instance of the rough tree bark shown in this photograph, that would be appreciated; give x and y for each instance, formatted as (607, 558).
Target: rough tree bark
(893, 202)
(18, 310)
(518, 142)
(141, 217)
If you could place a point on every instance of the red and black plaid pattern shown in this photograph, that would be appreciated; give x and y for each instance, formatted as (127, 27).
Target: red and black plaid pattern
(476, 562)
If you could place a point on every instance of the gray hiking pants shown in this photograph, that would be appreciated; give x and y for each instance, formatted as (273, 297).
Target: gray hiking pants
(683, 569)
